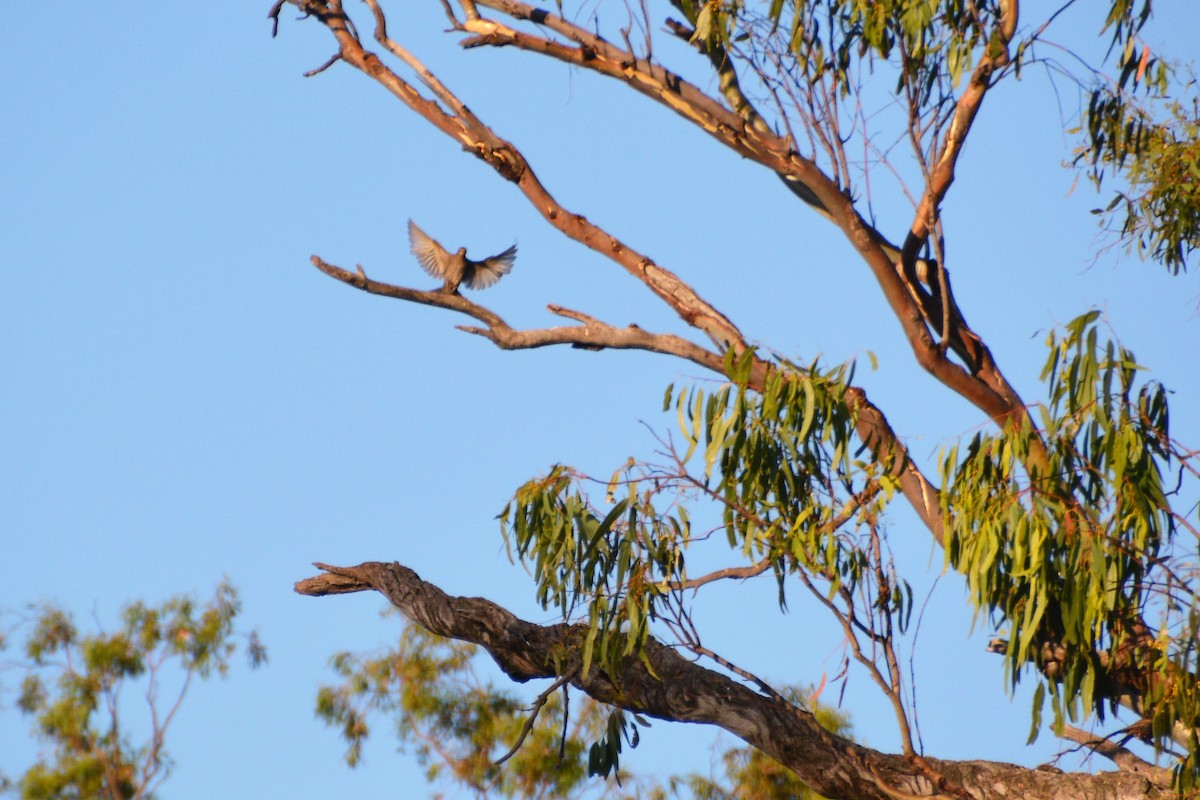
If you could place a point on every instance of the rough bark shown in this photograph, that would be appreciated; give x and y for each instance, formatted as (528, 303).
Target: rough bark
(667, 686)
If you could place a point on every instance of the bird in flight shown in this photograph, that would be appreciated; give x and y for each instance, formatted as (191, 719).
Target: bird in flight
(456, 268)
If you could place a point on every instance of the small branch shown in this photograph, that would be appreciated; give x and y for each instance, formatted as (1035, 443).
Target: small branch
(1124, 758)
(333, 59)
(734, 573)
(592, 335)
(941, 176)
(427, 77)
(754, 570)
(273, 15)
(533, 714)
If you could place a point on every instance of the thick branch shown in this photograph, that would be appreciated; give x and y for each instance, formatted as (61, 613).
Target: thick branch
(873, 429)
(667, 686)
(984, 385)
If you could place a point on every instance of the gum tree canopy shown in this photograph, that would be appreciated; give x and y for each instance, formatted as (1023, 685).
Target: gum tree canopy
(1067, 515)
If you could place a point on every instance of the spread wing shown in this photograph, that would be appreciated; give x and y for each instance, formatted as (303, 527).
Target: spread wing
(483, 274)
(432, 257)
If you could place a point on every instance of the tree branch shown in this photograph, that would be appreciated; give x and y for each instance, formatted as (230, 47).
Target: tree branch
(507, 160)
(1124, 758)
(666, 686)
(983, 385)
(533, 715)
(595, 53)
(591, 335)
(995, 57)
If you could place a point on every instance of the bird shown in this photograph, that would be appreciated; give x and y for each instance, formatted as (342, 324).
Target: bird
(456, 268)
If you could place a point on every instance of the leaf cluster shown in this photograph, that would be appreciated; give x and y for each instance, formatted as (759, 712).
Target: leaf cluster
(457, 724)
(931, 42)
(782, 471)
(1070, 553)
(1133, 127)
(73, 682)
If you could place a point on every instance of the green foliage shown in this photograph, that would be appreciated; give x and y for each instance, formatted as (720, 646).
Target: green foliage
(1064, 530)
(1141, 124)
(73, 682)
(457, 724)
(1160, 162)
(1153, 144)
(604, 756)
(1068, 553)
(931, 41)
(779, 468)
(780, 465)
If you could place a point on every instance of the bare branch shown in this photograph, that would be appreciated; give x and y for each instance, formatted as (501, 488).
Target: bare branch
(533, 715)
(1124, 758)
(333, 59)
(729, 573)
(591, 335)
(507, 160)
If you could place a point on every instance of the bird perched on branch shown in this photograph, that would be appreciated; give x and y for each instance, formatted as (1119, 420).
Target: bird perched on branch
(456, 268)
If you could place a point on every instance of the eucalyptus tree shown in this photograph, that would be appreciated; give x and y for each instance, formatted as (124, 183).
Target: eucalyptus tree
(1067, 515)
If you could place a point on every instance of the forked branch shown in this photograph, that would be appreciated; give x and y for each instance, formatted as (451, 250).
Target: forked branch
(508, 162)
(981, 383)
(463, 126)
(590, 334)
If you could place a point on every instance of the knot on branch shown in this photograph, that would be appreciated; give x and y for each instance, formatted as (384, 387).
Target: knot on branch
(509, 164)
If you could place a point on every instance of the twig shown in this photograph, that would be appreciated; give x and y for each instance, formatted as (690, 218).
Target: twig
(333, 59)
(537, 707)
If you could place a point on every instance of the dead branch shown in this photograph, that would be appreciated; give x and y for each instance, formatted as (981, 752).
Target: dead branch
(533, 715)
(592, 334)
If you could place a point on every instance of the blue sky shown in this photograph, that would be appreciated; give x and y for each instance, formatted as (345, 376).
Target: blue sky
(186, 398)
